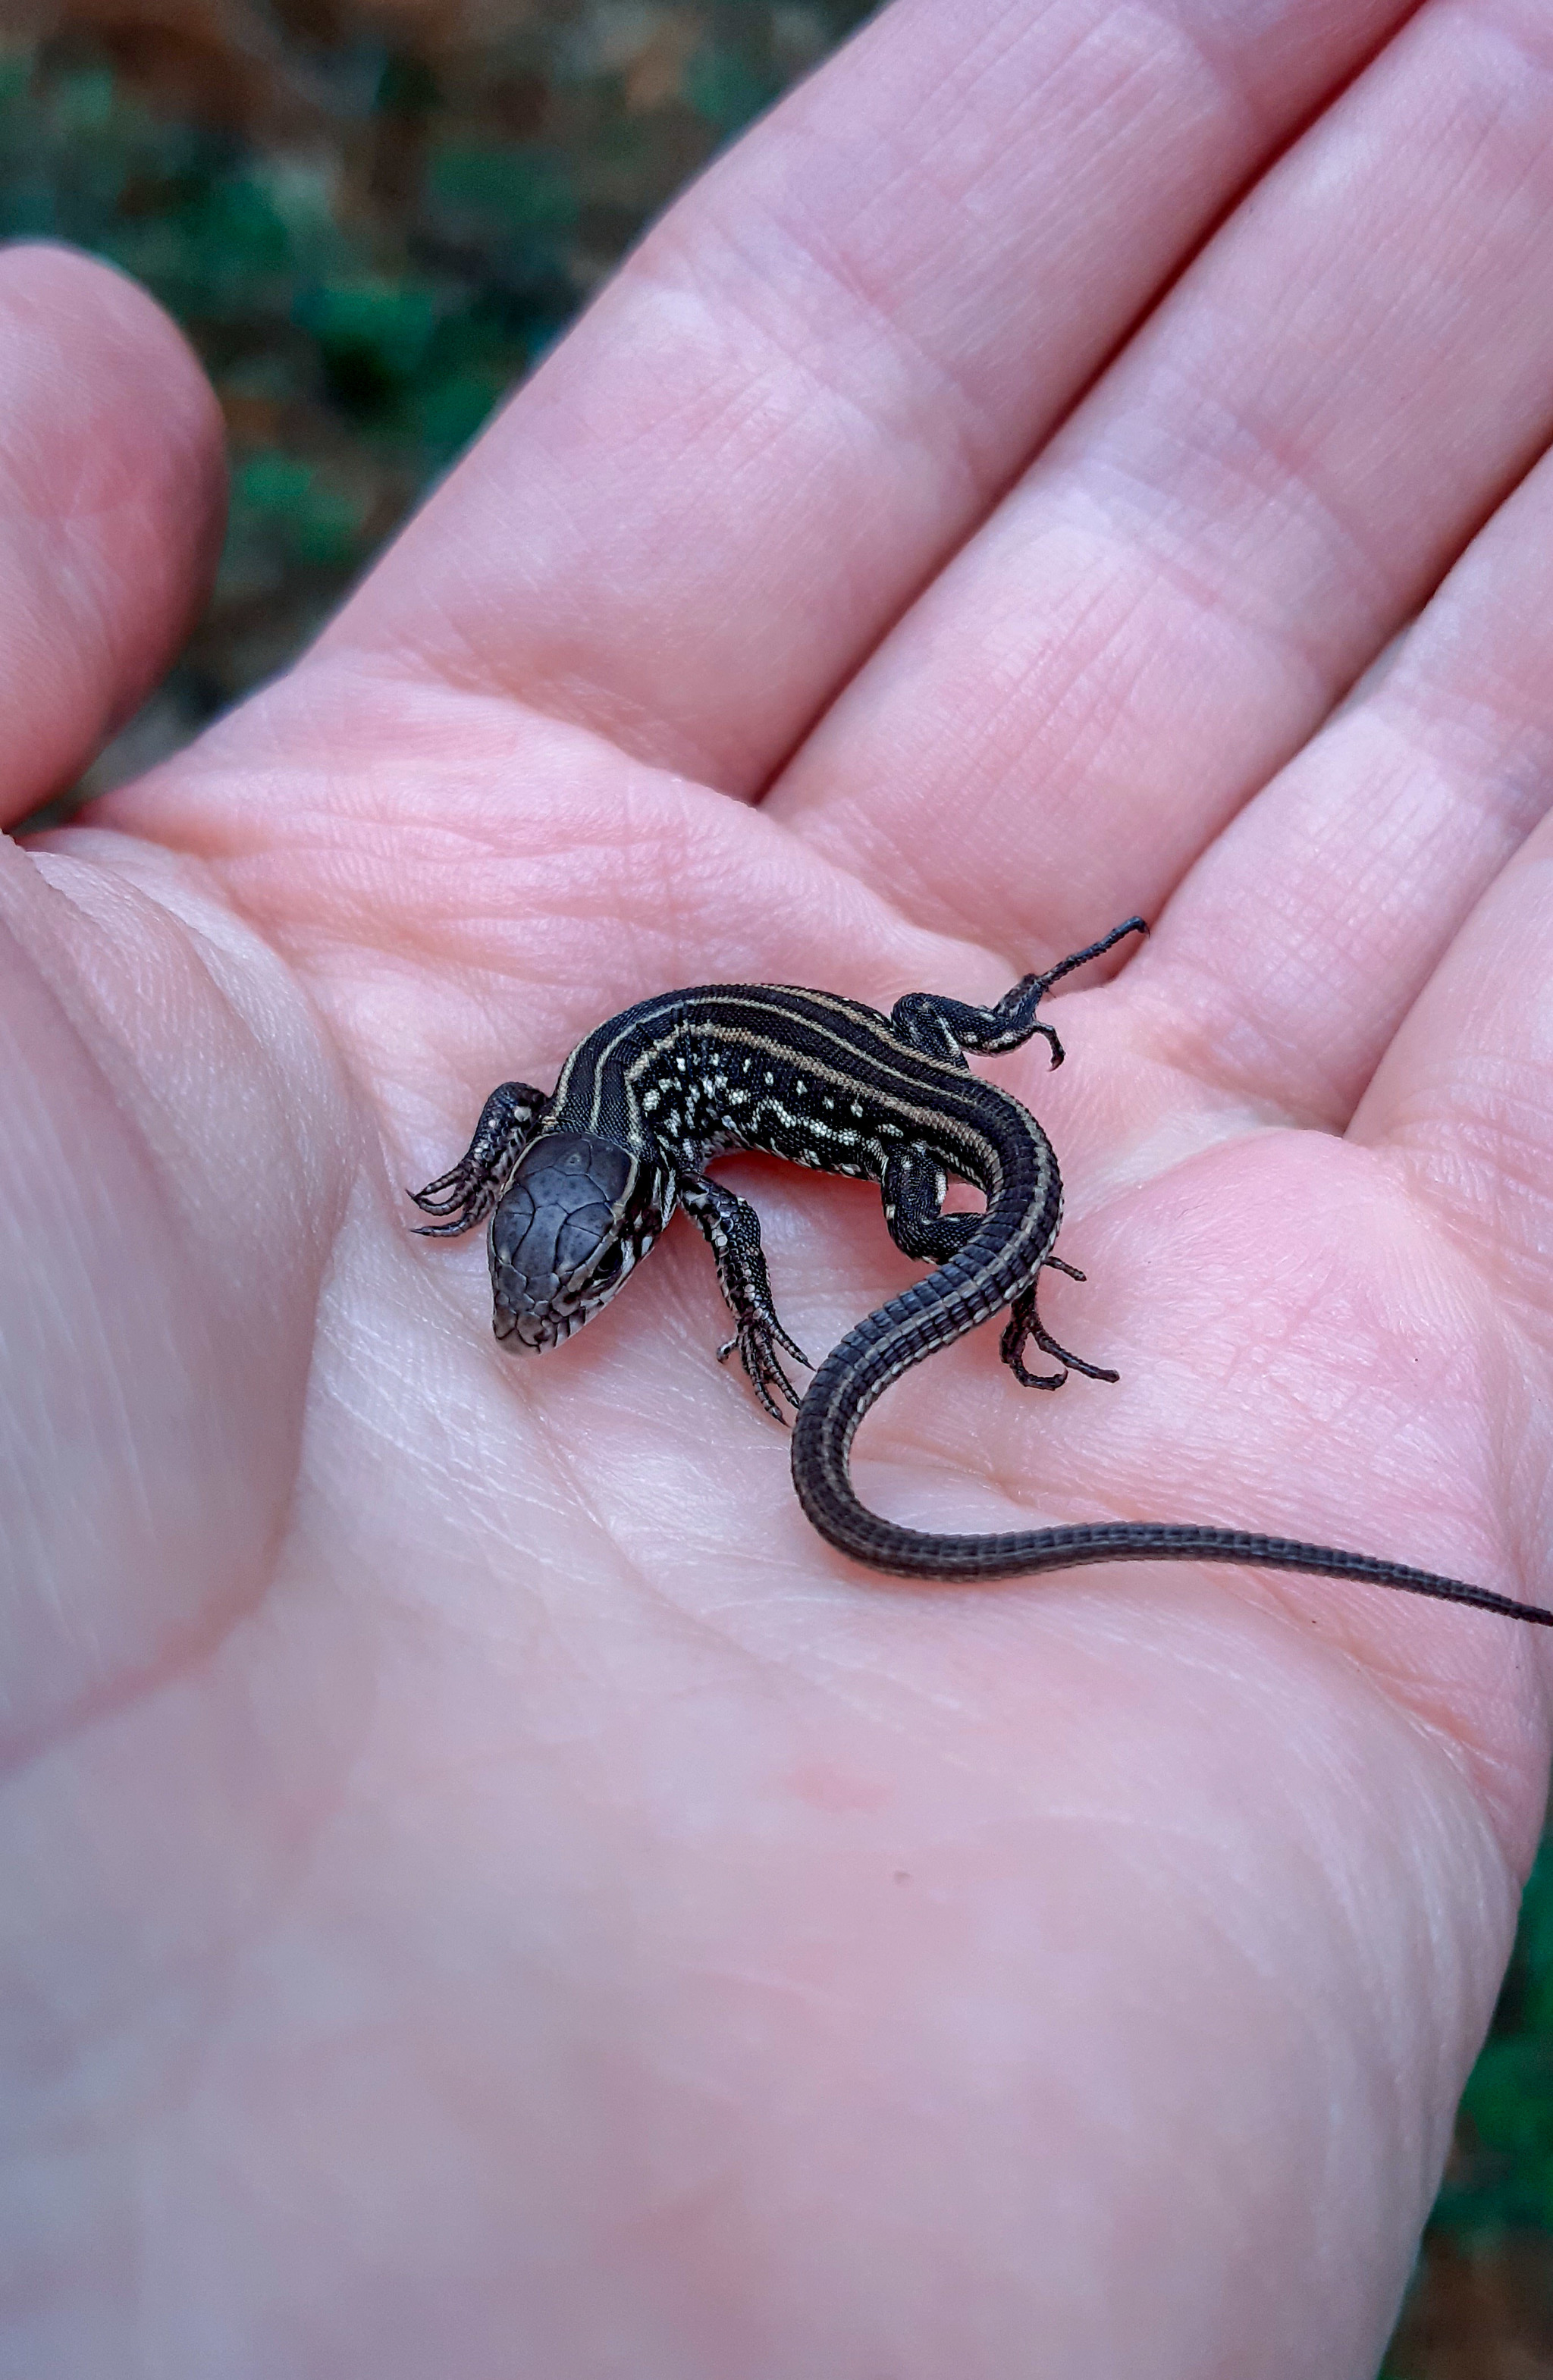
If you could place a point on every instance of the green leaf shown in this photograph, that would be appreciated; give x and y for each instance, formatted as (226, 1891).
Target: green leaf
(725, 89)
(318, 519)
(512, 186)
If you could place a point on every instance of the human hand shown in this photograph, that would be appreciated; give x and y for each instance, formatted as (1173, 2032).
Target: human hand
(487, 1892)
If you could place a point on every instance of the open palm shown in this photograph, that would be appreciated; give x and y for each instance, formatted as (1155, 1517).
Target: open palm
(487, 1892)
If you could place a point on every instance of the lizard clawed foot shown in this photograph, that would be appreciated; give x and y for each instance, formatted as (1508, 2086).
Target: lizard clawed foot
(756, 1339)
(462, 1196)
(1025, 1324)
(1032, 1379)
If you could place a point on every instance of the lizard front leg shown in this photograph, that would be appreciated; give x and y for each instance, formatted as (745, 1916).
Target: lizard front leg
(507, 1122)
(731, 1230)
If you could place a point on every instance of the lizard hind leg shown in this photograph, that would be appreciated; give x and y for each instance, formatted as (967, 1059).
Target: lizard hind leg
(1023, 1324)
(942, 1027)
(913, 1190)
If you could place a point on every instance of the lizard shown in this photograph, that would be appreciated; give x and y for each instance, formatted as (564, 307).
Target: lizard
(578, 1183)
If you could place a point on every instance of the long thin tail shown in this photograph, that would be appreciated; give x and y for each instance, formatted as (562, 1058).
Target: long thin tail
(821, 1441)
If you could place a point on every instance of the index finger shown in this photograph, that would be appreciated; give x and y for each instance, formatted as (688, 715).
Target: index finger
(814, 378)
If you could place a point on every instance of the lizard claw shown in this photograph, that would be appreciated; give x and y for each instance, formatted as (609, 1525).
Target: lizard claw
(455, 1195)
(753, 1339)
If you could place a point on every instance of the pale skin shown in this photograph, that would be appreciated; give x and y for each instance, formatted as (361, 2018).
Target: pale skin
(486, 1891)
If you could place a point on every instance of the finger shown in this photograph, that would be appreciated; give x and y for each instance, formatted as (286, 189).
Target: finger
(173, 1171)
(810, 381)
(1257, 497)
(112, 497)
(1295, 949)
(1465, 1095)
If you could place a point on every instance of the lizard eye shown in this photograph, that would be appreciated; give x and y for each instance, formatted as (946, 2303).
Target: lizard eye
(610, 1264)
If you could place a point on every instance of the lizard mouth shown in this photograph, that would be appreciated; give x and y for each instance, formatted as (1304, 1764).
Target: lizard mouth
(530, 1334)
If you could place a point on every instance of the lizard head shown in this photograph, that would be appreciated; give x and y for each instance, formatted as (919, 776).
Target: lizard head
(570, 1225)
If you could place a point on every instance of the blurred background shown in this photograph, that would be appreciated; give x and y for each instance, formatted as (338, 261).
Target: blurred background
(372, 221)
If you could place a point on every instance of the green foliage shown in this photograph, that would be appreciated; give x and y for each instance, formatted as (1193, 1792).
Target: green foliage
(367, 242)
(316, 519)
(352, 372)
(727, 87)
(373, 335)
(507, 185)
(1480, 2297)
(1501, 2178)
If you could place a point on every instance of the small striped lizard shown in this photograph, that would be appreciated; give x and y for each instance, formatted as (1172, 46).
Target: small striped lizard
(579, 1182)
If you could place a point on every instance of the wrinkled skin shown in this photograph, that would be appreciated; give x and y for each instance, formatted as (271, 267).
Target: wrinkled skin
(485, 1893)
